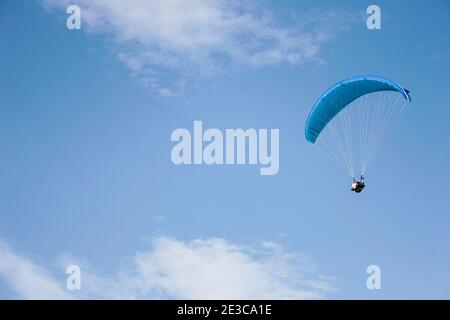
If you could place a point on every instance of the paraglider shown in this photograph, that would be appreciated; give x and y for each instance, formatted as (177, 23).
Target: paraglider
(354, 115)
(358, 186)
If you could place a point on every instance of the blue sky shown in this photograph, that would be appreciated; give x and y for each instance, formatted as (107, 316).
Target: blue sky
(85, 170)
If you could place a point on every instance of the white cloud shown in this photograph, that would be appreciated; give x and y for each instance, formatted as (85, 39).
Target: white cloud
(200, 269)
(200, 37)
(26, 278)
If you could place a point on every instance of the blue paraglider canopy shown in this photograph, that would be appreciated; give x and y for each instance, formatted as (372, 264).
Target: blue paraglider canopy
(340, 96)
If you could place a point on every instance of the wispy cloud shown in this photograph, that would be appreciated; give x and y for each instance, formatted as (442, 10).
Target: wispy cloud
(27, 279)
(199, 269)
(200, 37)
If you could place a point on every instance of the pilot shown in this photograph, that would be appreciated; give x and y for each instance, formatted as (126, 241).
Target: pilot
(358, 186)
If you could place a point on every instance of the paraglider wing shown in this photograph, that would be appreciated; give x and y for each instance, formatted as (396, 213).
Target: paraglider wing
(341, 95)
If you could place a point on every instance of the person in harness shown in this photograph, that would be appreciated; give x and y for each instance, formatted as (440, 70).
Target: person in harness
(358, 186)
